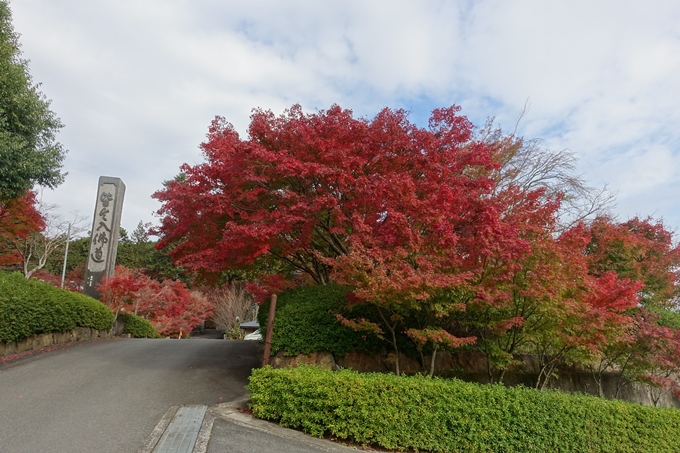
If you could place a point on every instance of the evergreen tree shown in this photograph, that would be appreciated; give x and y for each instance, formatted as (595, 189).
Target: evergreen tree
(29, 152)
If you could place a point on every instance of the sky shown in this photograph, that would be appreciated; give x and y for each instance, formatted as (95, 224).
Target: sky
(136, 83)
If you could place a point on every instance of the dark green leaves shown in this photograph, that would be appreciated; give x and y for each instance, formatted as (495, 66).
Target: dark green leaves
(423, 414)
(29, 152)
(29, 307)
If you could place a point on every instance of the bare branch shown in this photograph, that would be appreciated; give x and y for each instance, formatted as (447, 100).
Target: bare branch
(233, 305)
(37, 248)
(528, 165)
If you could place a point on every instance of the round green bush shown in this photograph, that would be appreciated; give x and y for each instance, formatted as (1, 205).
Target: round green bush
(305, 322)
(30, 307)
(137, 326)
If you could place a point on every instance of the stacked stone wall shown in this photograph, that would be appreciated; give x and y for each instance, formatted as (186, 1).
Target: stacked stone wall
(471, 367)
(44, 340)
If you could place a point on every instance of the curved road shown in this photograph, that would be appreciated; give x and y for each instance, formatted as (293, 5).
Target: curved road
(107, 396)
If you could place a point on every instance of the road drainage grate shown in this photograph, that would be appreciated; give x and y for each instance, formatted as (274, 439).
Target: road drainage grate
(180, 436)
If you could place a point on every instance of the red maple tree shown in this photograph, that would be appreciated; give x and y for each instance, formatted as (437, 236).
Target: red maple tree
(399, 210)
(638, 249)
(303, 188)
(168, 305)
(19, 218)
(420, 224)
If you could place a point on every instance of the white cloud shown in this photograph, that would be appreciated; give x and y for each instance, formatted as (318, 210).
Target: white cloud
(137, 83)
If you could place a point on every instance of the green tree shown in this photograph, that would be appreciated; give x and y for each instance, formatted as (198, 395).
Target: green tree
(77, 256)
(29, 152)
(137, 251)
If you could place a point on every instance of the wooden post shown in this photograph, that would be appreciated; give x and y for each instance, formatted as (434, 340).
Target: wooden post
(270, 329)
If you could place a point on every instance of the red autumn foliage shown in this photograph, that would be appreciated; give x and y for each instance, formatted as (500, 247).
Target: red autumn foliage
(47, 277)
(438, 337)
(268, 284)
(119, 292)
(613, 293)
(19, 218)
(640, 250)
(652, 355)
(303, 188)
(360, 325)
(168, 305)
(193, 310)
(411, 220)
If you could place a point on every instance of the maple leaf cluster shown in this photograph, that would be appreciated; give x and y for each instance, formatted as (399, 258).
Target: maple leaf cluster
(169, 306)
(458, 240)
(19, 217)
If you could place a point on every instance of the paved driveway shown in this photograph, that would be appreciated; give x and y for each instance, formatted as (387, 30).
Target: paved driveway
(107, 396)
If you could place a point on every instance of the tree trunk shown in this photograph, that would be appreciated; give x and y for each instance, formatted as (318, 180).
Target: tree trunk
(434, 355)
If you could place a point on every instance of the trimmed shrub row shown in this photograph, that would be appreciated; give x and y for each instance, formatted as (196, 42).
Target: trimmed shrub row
(305, 322)
(29, 307)
(137, 326)
(425, 414)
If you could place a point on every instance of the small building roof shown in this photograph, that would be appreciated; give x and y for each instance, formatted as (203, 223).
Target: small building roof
(250, 325)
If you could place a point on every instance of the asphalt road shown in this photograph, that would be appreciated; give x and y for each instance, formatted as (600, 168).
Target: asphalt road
(107, 396)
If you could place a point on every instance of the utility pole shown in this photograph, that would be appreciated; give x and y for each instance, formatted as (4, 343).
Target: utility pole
(63, 269)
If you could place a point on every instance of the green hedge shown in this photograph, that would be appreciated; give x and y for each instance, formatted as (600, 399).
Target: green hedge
(137, 326)
(305, 322)
(29, 307)
(424, 414)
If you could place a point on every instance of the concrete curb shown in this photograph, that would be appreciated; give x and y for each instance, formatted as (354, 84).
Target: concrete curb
(158, 431)
(230, 412)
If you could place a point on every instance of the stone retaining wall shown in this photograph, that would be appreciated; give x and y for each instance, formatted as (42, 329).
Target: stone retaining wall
(471, 367)
(49, 339)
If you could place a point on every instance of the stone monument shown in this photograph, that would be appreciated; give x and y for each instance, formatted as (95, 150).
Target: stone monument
(101, 260)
